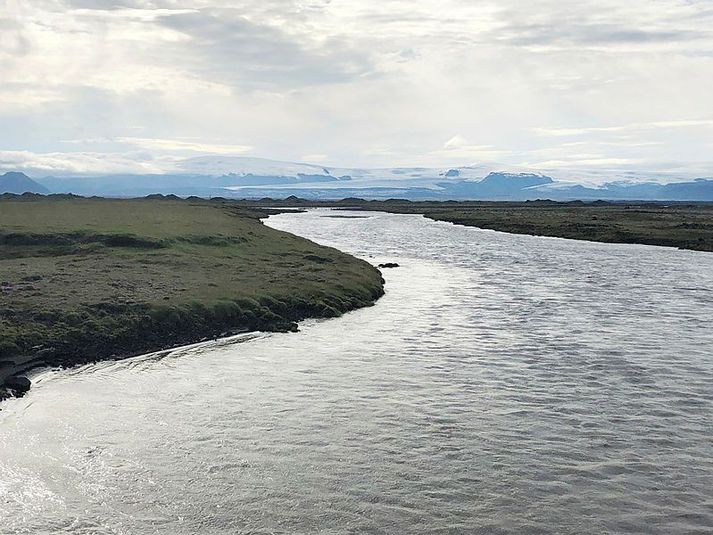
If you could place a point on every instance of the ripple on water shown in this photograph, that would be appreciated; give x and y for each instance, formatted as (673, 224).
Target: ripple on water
(505, 384)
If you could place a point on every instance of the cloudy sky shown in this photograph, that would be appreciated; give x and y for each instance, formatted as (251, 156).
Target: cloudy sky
(90, 86)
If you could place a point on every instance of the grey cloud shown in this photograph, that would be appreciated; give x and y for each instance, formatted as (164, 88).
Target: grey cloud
(13, 41)
(380, 73)
(228, 47)
(274, 7)
(591, 24)
(590, 34)
(113, 4)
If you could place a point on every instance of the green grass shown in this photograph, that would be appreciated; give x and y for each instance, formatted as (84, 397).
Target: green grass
(686, 227)
(86, 279)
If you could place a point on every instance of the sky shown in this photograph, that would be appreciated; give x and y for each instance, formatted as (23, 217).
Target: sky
(133, 86)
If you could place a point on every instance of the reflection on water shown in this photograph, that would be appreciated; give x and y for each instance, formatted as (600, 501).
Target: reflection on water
(504, 384)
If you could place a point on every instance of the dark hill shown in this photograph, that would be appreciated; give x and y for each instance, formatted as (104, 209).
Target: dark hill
(19, 183)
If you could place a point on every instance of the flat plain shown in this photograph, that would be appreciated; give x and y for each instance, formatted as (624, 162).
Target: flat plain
(87, 279)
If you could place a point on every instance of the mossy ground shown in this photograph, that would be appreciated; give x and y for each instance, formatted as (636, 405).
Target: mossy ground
(86, 279)
(685, 227)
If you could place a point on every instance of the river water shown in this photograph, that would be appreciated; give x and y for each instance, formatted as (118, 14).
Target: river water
(504, 384)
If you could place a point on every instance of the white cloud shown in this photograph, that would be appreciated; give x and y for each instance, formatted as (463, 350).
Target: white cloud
(177, 145)
(623, 128)
(83, 163)
(309, 158)
(584, 161)
(457, 149)
(370, 83)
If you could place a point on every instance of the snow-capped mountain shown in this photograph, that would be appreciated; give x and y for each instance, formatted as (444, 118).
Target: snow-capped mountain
(243, 177)
(366, 177)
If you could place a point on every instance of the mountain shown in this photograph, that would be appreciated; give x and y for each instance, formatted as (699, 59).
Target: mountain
(700, 189)
(496, 186)
(243, 177)
(245, 166)
(179, 184)
(19, 183)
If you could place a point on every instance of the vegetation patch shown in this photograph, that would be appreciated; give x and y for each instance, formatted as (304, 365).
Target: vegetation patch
(682, 226)
(91, 279)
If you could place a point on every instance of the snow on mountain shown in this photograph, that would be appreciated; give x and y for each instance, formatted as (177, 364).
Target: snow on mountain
(237, 176)
(361, 177)
(419, 176)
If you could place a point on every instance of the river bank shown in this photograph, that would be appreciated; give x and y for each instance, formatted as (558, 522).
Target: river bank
(96, 279)
(683, 227)
(667, 224)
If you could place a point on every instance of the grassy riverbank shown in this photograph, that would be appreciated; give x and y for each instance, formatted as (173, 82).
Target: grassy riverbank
(90, 279)
(682, 225)
(685, 227)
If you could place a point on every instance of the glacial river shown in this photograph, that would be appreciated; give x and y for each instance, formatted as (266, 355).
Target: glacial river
(504, 384)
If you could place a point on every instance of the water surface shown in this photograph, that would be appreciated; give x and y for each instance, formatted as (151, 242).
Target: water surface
(504, 384)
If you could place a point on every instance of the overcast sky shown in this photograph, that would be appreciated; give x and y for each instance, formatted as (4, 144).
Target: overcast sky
(132, 85)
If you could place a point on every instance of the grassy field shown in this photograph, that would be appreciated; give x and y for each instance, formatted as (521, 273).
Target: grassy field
(85, 279)
(685, 227)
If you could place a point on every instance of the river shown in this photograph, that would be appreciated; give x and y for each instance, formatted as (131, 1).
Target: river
(504, 384)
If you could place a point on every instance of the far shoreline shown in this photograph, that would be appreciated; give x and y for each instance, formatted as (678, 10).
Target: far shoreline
(681, 225)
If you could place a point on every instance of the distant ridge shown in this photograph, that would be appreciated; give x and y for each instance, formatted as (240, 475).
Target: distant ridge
(254, 178)
(19, 183)
(496, 185)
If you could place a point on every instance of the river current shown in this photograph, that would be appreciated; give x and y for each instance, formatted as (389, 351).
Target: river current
(504, 384)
